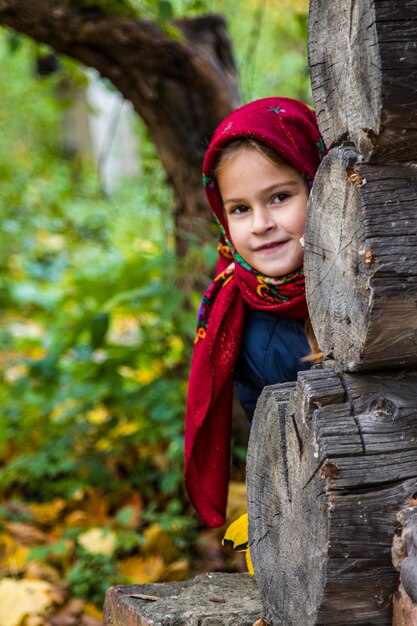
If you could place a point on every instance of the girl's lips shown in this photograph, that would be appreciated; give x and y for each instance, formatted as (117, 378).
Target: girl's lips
(270, 247)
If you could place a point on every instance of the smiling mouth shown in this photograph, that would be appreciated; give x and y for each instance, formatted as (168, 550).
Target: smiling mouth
(274, 245)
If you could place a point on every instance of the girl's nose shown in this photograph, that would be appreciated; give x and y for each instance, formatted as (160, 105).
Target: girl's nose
(262, 221)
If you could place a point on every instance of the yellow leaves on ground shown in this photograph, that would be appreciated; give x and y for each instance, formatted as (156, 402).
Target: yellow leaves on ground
(98, 541)
(156, 562)
(27, 534)
(12, 555)
(159, 542)
(237, 535)
(47, 512)
(142, 570)
(21, 598)
(40, 552)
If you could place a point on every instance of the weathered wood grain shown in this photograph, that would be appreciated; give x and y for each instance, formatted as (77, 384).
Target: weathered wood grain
(327, 475)
(207, 600)
(363, 62)
(361, 261)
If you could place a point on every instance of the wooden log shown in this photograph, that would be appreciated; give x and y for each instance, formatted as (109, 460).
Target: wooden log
(327, 475)
(207, 600)
(363, 61)
(361, 261)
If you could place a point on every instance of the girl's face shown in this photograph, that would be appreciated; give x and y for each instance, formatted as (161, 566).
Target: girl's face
(265, 206)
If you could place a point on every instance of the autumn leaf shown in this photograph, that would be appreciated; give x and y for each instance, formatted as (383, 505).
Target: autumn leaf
(98, 541)
(157, 541)
(47, 512)
(20, 598)
(12, 555)
(141, 570)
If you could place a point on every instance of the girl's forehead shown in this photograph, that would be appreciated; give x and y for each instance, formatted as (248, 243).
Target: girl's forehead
(248, 167)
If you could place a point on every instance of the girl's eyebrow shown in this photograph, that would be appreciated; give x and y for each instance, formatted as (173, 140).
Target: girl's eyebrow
(287, 183)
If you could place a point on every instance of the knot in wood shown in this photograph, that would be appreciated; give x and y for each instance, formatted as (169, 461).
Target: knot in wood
(329, 469)
(383, 407)
(354, 177)
(369, 257)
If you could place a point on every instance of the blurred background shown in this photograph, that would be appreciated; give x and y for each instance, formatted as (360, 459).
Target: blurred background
(97, 328)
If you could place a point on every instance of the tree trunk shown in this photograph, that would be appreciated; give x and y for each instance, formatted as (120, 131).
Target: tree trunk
(363, 61)
(361, 261)
(327, 477)
(181, 87)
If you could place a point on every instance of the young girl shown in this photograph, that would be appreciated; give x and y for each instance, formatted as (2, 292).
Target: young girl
(257, 174)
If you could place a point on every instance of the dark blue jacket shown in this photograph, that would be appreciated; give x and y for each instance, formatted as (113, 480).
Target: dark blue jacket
(271, 352)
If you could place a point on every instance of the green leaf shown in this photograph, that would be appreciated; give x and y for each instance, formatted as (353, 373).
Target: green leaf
(99, 327)
(165, 10)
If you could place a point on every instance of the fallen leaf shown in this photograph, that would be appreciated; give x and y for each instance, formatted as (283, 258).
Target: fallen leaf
(142, 570)
(12, 555)
(20, 598)
(42, 571)
(76, 519)
(157, 541)
(27, 534)
(98, 541)
(219, 600)
(35, 620)
(143, 596)
(47, 512)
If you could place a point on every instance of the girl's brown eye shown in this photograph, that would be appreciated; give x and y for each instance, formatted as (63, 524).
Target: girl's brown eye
(280, 197)
(239, 209)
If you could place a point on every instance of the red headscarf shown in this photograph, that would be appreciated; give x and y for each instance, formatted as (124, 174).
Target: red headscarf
(289, 127)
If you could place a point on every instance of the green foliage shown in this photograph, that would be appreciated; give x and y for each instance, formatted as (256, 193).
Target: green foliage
(270, 43)
(123, 8)
(92, 575)
(93, 336)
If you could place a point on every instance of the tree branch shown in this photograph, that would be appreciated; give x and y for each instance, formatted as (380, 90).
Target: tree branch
(182, 88)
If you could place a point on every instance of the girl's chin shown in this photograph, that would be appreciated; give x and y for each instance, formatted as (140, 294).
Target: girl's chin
(277, 264)
(276, 269)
